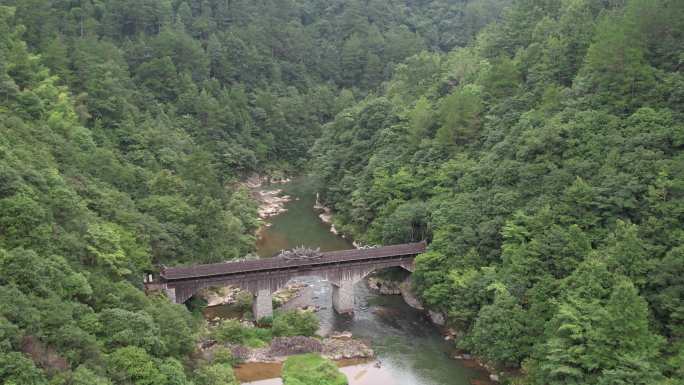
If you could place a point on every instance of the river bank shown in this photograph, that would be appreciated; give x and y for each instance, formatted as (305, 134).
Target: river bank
(296, 222)
(339, 346)
(408, 348)
(398, 284)
(356, 354)
(270, 200)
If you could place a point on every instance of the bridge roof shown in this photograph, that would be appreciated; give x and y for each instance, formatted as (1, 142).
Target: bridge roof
(329, 257)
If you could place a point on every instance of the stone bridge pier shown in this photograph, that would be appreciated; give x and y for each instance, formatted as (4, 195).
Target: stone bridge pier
(343, 296)
(342, 299)
(262, 306)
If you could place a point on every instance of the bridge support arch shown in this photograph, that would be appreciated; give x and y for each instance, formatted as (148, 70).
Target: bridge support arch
(343, 284)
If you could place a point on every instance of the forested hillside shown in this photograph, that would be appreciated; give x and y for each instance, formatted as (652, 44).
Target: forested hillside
(544, 163)
(125, 127)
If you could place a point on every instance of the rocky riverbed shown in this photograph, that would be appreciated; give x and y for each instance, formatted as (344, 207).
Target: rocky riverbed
(336, 347)
(294, 295)
(384, 286)
(271, 200)
(407, 349)
(326, 215)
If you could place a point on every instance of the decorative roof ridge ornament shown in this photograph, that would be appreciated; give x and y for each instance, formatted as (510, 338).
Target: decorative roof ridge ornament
(367, 247)
(301, 253)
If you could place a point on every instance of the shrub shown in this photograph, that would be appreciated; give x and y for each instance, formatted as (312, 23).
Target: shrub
(295, 323)
(232, 331)
(229, 331)
(308, 369)
(244, 300)
(257, 337)
(224, 356)
(215, 374)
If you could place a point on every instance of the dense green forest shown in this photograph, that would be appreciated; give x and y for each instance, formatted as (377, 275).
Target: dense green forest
(544, 162)
(537, 144)
(125, 129)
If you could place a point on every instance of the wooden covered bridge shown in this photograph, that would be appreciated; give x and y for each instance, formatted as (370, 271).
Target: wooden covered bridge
(264, 276)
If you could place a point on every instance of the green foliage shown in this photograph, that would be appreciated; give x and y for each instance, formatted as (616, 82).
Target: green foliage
(421, 120)
(501, 333)
(176, 327)
(543, 158)
(121, 142)
(233, 331)
(84, 376)
(9, 335)
(308, 369)
(616, 68)
(133, 364)
(460, 115)
(666, 290)
(244, 300)
(224, 356)
(15, 368)
(46, 276)
(295, 323)
(106, 247)
(126, 328)
(174, 372)
(539, 149)
(408, 223)
(599, 337)
(432, 282)
(215, 374)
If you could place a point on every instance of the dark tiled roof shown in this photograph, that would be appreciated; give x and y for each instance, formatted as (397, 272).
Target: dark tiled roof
(198, 271)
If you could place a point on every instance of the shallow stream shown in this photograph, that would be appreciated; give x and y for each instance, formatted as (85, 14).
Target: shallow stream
(409, 349)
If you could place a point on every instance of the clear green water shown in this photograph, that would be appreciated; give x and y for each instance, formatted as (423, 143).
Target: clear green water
(299, 225)
(410, 350)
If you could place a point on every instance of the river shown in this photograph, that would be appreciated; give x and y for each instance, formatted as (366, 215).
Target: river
(410, 350)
